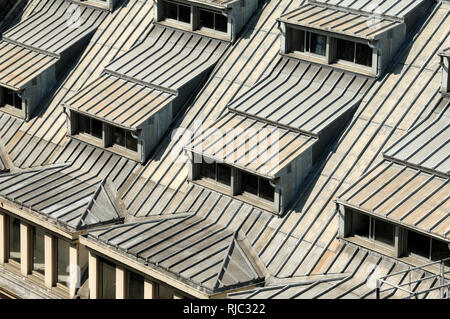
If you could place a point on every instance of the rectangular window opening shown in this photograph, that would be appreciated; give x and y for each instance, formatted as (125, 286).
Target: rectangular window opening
(307, 42)
(14, 239)
(11, 98)
(419, 244)
(135, 286)
(213, 20)
(38, 250)
(384, 232)
(107, 279)
(62, 261)
(178, 11)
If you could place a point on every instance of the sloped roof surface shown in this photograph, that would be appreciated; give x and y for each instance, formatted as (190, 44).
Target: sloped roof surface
(120, 102)
(59, 193)
(56, 27)
(427, 145)
(19, 65)
(189, 246)
(168, 58)
(250, 144)
(398, 9)
(405, 196)
(339, 21)
(302, 96)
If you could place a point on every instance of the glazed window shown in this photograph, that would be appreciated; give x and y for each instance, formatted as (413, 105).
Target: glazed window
(213, 20)
(107, 280)
(354, 52)
(14, 239)
(177, 11)
(426, 247)
(90, 126)
(373, 229)
(257, 186)
(307, 42)
(135, 286)
(62, 261)
(124, 138)
(37, 236)
(216, 172)
(10, 98)
(165, 292)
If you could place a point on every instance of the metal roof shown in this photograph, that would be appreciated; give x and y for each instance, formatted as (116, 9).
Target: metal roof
(339, 21)
(302, 96)
(398, 9)
(427, 145)
(215, 3)
(56, 27)
(168, 58)
(119, 102)
(61, 193)
(405, 196)
(250, 144)
(189, 246)
(19, 65)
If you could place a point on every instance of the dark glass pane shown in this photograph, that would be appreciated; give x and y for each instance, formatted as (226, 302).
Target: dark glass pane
(131, 142)
(266, 191)
(221, 23)
(206, 19)
(108, 280)
(307, 41)
(363, 54)
(17, 101)
(38, 251)
(298, 40)
(62, 261)
(318, 44)
(14, 239)
(346, 50)
(361, 224)
(418, 244)
(208, 170)
(439, 250)
(250, 183)
(224, 174)
(165, 292)
(118, 136)
(135, 286)
(184, 13)
(171, 10)
(9, 97)
(96, 128)
(84, 124)
(384, 232)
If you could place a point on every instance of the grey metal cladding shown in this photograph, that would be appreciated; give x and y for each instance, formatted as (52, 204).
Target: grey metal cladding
(168, 58)
(403, 195)
(339, 21)
(120, 102)
(302, 96)
(187, 245)
(60, 192)
(57, 27)
(398, 9)
(427, 145)
(19, 65)
(242, 147)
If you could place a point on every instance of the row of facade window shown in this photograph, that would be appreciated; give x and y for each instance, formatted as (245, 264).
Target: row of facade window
(303, 41)
(134, 284)
(114, 136)
(249, 184)
(382, 232)
(209, 19)
(10, 98)
(37, 250)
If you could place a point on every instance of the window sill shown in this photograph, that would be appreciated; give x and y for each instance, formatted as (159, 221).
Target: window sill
(11, 110)
(252, 200)
(385, 251)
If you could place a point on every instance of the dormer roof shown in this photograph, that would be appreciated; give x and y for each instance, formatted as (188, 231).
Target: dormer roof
(337, 20)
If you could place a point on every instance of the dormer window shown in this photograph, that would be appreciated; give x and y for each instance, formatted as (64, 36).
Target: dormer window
(308, 42)
(213, 20)
(353, 52)
(10, 99)
(90, 126)
(445, 64)
(178, 12)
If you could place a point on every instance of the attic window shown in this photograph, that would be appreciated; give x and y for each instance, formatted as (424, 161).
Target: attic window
(90, 126)
(177, 11)
(216, 172)
(353, 52)
(257, 186)
(307, 42)
(213, 20)
(373, 229)
(429, 248)
(10, 98)
(124, 138)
